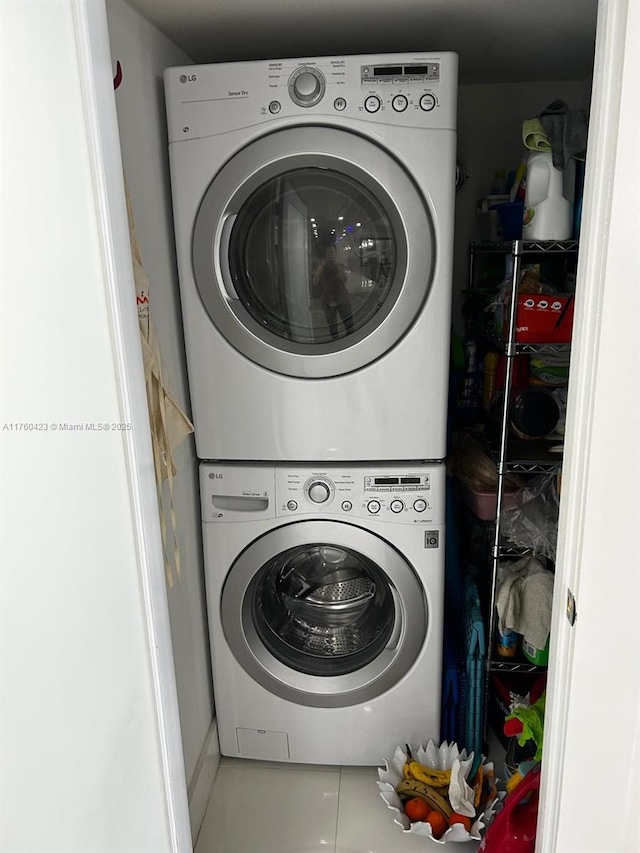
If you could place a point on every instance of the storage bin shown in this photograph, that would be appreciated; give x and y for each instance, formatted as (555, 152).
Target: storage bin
(484, 504)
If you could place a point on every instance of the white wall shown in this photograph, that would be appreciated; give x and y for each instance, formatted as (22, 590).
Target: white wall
(84, 751)
(144, 53)
(490, 121)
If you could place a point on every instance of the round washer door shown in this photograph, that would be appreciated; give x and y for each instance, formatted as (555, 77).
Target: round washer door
(323, 613)
(313, 251)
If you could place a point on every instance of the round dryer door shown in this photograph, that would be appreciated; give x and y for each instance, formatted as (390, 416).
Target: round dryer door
(324, 613)
(313, 251)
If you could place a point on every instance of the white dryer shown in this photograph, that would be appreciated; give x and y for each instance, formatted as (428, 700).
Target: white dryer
(325, 598)
(313, 206)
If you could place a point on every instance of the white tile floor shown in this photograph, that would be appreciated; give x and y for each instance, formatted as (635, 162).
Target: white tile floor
(265, 807)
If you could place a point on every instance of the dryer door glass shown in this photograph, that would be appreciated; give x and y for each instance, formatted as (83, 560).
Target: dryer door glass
(323, 610)
(312, 255)
(313, 251)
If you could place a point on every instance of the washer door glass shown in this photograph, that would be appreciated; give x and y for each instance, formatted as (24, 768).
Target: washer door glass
(313, 251)
(324, 613)
(323, 610)
(312, 256)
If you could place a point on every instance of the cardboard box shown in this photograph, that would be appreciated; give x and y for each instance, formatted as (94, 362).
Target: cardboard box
(543, 318)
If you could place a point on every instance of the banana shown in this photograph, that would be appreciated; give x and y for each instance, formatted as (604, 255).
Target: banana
(413, 788)
(415, 770)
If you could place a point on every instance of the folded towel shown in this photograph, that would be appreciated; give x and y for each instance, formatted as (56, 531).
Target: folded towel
(566, 130)
(524, 600)
(533, 135)
(536, 596)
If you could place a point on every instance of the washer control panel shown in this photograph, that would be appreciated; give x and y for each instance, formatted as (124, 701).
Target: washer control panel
(242, 492)
(400, 495)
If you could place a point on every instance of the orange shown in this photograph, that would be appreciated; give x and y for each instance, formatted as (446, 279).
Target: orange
(438, 823)
(461, 818)
(416, 809)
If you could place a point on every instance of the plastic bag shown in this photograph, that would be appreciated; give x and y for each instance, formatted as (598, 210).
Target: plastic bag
(533, 523)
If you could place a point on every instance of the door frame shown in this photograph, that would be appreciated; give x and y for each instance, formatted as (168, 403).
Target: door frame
(598, 273)
(101, 122)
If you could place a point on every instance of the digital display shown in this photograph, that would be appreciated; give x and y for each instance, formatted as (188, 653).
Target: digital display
(416, 69)
(410, 481)
(387, 71)
(385, 481)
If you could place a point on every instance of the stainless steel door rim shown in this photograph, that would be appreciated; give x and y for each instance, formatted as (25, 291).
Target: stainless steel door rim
(380, 174)
(405, 641)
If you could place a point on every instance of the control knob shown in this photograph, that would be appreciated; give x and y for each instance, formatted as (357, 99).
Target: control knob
(306, 86)
(319, 492)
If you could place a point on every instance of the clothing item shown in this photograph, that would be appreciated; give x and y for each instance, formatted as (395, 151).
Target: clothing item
(331, 313)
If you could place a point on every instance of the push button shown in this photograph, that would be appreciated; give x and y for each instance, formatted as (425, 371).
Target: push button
(427, 103)
(372, 104)
(400, 103)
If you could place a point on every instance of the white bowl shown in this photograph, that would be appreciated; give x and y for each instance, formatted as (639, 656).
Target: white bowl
(438, 758)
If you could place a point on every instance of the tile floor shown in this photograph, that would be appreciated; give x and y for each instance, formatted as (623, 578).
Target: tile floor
(265, 807)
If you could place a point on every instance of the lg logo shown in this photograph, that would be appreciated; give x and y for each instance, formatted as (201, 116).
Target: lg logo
(213, 476)
(431, 538)
(187, 78)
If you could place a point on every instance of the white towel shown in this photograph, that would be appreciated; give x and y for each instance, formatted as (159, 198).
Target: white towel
(524, 599)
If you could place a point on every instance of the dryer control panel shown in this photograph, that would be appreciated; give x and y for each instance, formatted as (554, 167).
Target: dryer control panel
(411, 90)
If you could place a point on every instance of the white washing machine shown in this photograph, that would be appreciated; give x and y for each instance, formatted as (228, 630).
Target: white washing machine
(325, 597)
(313, 207)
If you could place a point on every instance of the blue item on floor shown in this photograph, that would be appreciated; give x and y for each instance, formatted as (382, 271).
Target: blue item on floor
(475, 651)
(452, 690)
(453, 678)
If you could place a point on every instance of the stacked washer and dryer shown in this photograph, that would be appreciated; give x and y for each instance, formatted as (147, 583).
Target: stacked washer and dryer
(313, 207)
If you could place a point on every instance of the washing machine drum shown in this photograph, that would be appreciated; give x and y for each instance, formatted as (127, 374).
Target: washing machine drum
(323, 610)
(324, 613)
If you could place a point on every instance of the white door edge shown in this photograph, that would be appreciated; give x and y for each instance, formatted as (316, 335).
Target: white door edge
(96, 75)
(595, 238)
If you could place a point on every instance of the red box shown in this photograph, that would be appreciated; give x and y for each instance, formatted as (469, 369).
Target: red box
(543, 318)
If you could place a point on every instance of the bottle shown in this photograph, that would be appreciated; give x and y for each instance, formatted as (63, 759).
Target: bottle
(507, 644)
(499, 185)
(491, 360)
(470, 384)
(539, 657)
(547, 213)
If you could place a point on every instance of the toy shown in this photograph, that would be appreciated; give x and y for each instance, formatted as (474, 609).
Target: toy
(513, 829)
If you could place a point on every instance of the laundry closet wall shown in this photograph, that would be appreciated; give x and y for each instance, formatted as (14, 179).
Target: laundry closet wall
(144, 52)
